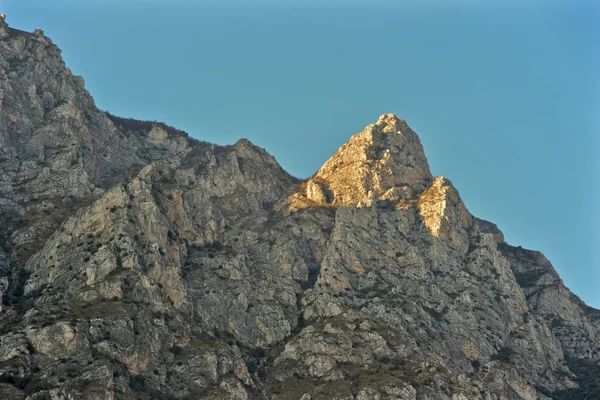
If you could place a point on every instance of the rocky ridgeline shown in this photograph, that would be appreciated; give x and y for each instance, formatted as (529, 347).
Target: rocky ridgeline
(136, 262)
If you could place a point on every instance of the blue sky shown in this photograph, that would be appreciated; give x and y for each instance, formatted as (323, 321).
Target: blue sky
(504, 95)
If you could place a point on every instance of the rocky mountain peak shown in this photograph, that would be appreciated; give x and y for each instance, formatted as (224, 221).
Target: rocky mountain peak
(386, 158)
(389, 123)
(137, 263)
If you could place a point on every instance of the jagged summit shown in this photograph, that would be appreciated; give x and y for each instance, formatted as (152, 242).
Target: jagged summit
(6, 30)
(136, 263)
(389, 123)
(386, 158)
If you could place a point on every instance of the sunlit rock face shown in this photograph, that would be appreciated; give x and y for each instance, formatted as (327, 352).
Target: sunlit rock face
(383, 159)
(137, 263)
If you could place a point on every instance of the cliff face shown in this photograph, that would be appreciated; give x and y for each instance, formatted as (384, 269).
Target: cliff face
(139, 263)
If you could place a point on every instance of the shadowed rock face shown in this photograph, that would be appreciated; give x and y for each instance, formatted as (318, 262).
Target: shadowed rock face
(139, 263)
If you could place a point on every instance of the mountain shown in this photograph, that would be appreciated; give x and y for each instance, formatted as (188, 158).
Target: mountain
(139, 263)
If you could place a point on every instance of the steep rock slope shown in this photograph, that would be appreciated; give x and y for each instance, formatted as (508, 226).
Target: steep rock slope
(57, 150)
(139, 263)
(380, 162)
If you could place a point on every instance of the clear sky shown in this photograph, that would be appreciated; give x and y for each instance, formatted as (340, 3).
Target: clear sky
(505, 95)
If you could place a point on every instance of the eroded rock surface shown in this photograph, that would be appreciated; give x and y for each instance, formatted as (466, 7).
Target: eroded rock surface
(136, 262)
(381, 162)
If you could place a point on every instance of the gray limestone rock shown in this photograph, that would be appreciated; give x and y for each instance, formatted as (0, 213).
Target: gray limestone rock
(136, 262)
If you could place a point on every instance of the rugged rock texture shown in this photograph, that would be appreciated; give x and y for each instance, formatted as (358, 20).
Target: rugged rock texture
(382, 162)
(139, 263)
